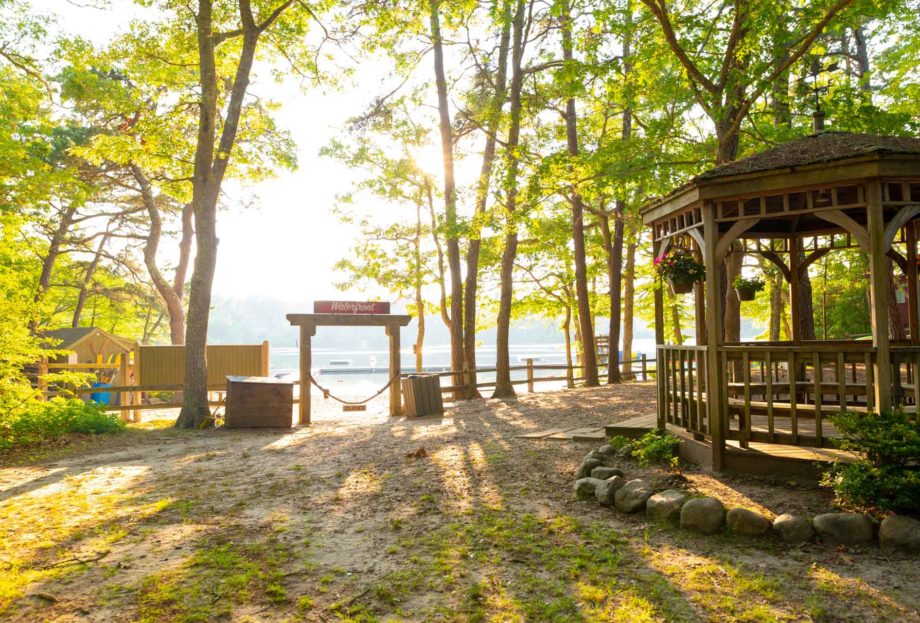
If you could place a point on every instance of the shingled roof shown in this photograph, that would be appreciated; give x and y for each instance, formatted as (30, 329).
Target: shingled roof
(814, 149)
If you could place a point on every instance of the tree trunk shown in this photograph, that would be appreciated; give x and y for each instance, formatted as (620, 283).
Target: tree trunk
(862, 60)
(578, 224)
(54, 251)
(87, 280)
(895, 327)
(629, 299)
(164, 289)
(567, 331)
(442, 302)
(419, 301)
(482, 196)
(210, 166)
(503, 386)
(777, 284)
(806, 317)
(450, 203)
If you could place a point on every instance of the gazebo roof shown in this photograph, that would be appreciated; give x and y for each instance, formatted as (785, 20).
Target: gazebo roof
(802, 166)
(814, 149)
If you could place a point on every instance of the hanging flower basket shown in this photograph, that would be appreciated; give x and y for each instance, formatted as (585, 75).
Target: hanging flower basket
(680, 269)
(747, 289)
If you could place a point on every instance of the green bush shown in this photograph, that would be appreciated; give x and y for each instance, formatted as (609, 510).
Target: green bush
(886, 477)
(36, 422)
(653, 447)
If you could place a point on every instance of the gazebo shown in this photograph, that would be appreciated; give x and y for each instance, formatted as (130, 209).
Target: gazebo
(792, 205)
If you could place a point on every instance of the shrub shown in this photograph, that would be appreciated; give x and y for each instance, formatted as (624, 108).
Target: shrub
(656, 446)
(35, 422)
(886, 477)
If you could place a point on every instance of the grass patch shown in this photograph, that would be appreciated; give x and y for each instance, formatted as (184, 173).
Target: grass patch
(214, 580)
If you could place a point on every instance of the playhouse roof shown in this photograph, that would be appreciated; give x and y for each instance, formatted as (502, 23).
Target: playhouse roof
(71, 336)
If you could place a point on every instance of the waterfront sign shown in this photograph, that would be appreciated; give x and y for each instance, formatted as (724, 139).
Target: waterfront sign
(351, 307)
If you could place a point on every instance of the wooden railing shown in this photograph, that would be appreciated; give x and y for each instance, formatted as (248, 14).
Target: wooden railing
(530, 368)
(783, 394)
(905, 365)
(682, 387)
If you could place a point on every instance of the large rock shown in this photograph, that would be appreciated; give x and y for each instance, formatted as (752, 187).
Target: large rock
(606, 472)
(747, 523)
(665, 506)
(625, 451)
(793, 529)
(632, 496)
(899, 534)
(584, 470)
(703, 515)
(585, 487)
(845, 528)
(606, 450)
(606, 491)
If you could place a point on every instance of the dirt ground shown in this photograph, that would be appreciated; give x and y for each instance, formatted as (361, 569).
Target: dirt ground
(362, 517)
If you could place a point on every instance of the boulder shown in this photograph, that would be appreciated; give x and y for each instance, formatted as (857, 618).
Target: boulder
(632, 496)
(899, 534)
(606, 491)
(793, 529)
(703, 515)
(747, 523)
(584, 470)
(606, 450)
(606, 472)
(665, 506)
(845, 528)
(625, 451)
(585, 487)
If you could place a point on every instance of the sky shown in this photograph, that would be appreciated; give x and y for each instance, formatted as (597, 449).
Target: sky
(286, 244)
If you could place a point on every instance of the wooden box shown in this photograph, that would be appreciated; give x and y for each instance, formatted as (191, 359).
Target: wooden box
(259, 402)
(422, 395)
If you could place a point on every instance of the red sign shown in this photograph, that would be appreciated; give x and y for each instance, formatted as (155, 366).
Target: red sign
(350, 307)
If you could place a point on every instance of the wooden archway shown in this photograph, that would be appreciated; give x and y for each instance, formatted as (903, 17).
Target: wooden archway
(308, 324)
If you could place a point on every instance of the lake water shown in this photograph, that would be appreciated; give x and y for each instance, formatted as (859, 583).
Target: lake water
(360, 373)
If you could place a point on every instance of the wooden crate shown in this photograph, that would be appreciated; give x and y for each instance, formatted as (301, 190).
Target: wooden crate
(422, 395)
(259, 402)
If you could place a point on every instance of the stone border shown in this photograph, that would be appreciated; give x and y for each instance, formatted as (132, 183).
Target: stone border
(707, 515)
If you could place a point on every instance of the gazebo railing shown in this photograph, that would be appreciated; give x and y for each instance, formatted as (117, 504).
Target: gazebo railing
(905, 365)
(784, 394)
(682, 386)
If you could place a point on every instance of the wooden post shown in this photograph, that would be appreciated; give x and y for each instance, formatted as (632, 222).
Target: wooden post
(530, 375)
(136, 380)
(913, 304)
(42, 383)
(715, 386)
(659, 342)
(878, 294)
(266, 352)
(306, 363)
(395, 369)
(124, 398)
(644, 359)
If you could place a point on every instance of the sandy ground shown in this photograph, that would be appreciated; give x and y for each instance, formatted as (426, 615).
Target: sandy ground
(366, 517)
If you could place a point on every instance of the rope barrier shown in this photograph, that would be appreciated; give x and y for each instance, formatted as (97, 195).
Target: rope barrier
(328, 394)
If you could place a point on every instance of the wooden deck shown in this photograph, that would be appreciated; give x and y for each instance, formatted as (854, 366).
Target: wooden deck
(635, 427)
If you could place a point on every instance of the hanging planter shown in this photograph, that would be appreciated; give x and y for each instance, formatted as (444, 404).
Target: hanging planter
(680, 269)
(747, 289)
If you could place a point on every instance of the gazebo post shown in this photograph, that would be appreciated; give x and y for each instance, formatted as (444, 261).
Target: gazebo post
(878, 294)
(913, 305)
(714, 373)
(307, 331)
(659, 340)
